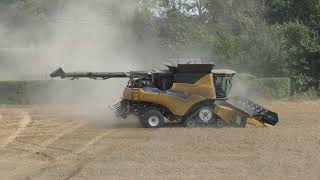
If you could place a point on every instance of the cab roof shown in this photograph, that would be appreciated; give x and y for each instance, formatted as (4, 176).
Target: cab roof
(224, 72)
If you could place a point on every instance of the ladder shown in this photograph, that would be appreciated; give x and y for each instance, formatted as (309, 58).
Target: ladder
(136, 94)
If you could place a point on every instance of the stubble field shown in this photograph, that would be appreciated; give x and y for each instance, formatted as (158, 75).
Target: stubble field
(63, 143)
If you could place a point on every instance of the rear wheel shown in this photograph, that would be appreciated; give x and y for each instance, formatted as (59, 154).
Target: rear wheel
(152, 119)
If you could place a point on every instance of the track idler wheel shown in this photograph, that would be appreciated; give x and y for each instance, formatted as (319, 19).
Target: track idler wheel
(190, 123)
(220, 123)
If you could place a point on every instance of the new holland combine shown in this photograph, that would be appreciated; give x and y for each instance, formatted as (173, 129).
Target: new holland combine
(192, 95)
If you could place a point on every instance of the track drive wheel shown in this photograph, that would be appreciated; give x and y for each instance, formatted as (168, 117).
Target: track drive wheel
(152, 119)
(205, 114)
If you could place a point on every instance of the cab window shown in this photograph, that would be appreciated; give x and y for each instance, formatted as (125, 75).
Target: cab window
(222, 85)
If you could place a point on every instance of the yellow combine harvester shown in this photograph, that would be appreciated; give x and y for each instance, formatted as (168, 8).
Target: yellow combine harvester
(194, 95)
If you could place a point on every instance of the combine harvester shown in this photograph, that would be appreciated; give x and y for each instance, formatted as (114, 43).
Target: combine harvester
(194, 95)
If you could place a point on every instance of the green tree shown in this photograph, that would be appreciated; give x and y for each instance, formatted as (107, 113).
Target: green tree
(307, 11)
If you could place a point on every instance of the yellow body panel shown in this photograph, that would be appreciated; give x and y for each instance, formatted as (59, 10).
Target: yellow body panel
(137, 94)
(231, 114)
(251, 122)
(200, 91)
(204, 87)
(227, 114)
(177, 105)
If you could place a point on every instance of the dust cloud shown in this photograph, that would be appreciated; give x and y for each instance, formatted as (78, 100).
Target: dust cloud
(78, 36)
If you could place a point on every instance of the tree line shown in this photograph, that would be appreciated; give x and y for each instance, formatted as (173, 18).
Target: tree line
(267, 38)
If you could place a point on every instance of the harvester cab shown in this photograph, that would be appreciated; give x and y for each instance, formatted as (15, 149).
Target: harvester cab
(192, 95)
(223, 82)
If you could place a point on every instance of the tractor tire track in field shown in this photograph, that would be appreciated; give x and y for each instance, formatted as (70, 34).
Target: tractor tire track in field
(84, 162)
(50, 141)
(81, 159)
(45, 145)
(79, 168)
(91, 143)
(94, 141)
(24, 122)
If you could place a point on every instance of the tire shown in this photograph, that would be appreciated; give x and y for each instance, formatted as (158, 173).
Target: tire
(152, 119)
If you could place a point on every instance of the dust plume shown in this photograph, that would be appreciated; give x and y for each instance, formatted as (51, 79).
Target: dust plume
(79, 36)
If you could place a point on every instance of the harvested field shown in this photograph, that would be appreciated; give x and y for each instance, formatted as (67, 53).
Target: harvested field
(59, 143)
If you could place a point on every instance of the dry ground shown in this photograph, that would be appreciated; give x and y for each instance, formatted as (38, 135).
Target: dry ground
(48, 143)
